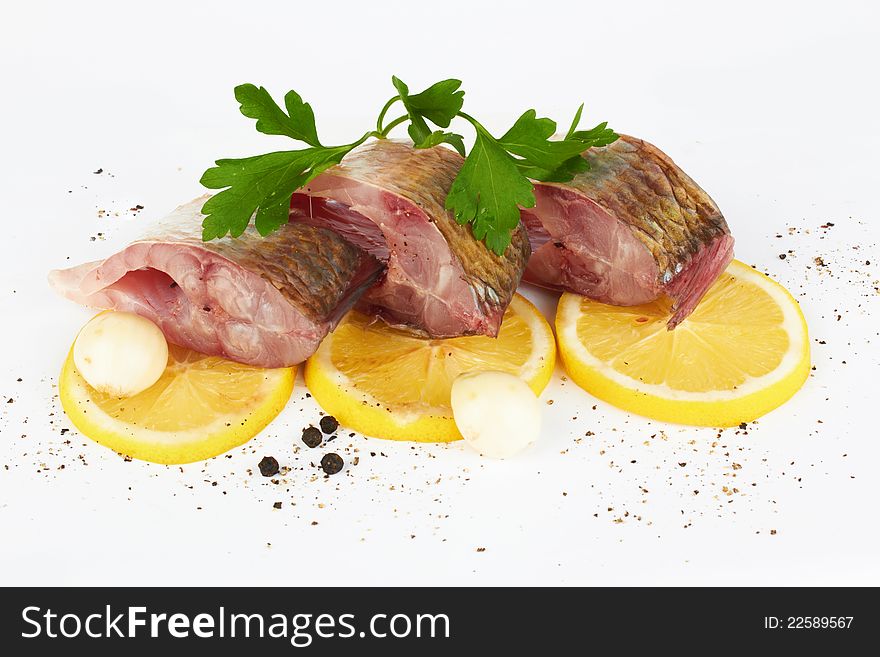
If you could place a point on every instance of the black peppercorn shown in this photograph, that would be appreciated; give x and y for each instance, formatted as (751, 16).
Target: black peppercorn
(312, 437)
(269, 466)
(329, 424)
(332, 463)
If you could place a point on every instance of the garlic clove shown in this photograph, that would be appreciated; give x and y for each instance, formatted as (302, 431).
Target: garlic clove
(496, 412)
(120, 353)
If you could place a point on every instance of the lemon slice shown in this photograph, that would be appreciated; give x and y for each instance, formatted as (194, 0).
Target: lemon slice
(200, 407)
(740, 354)
(387, 383)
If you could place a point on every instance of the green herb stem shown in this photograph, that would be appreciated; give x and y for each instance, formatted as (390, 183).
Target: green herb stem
(477, 125)
(388, 128)
(382, 114)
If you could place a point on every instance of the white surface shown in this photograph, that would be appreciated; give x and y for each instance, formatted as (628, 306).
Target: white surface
(772, 107)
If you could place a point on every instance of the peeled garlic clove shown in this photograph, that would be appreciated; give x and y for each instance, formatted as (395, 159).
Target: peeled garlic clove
(120, 354)
(497, 413)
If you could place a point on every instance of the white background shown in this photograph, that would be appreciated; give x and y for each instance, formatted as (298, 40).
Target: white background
(772, 107)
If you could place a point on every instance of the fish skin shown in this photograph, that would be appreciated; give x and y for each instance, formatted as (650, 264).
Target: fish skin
(260, 301)
(633, 194)
(310, 267)
(640, 185)
(423, 177)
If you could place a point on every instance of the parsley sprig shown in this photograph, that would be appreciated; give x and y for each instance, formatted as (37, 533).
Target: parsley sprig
(487, 192)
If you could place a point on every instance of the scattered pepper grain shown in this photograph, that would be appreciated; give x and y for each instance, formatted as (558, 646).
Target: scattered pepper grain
(332, 463)
(329, 424)
(312, 436)
(269, 466)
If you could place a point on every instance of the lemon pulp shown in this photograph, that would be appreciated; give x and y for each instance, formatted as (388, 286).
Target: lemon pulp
(391, 384)
(742, 352)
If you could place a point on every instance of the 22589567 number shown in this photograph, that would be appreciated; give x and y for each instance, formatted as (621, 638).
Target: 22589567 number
(808, 622)
(819, 622)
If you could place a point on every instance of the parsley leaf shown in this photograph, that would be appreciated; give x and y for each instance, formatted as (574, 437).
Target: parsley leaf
(575, 121)
(495, 178)
(439, 104)
(601, 135)
(530, 139)
(298, 123)
(563, 173)
(261, 184)
(260, 187)
(487, 192)
(439, 137)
